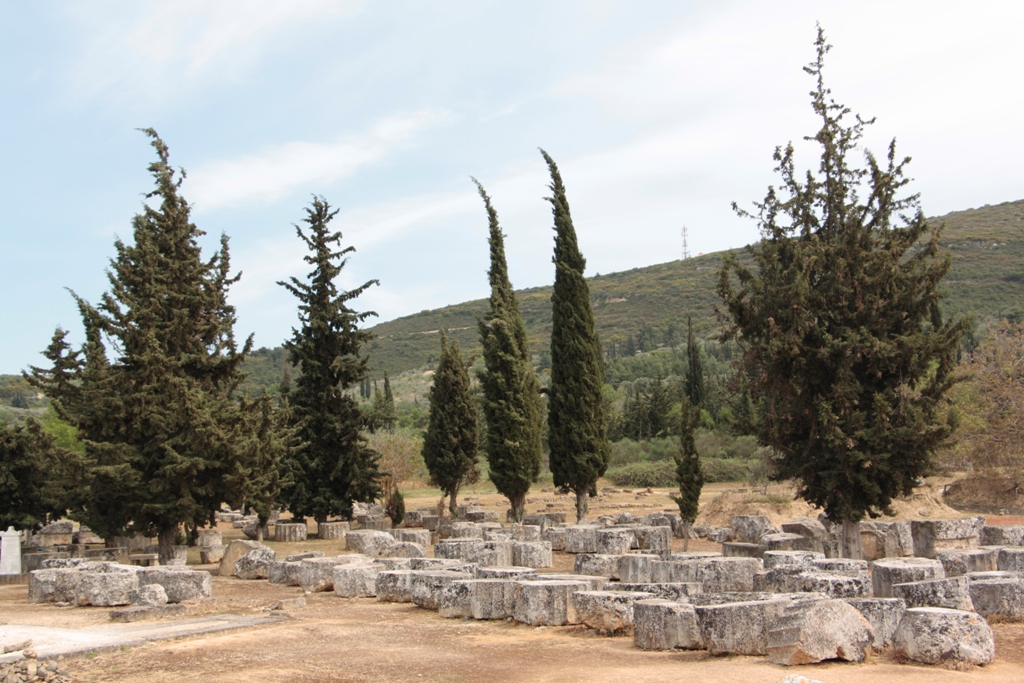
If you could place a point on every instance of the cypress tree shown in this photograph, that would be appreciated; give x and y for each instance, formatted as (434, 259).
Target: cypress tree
(694, 383)
(450, 444)
(333, 467)
(834, 319)
(576, 429)
(384, 416)
(36, 476)
(511, 390)
(689, 471)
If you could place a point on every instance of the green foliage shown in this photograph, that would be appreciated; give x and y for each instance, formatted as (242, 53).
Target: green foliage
(689, 473)
(576, 427)
(35, 476)
(840, 360)
(450, 445)
(694, 385)
(643, 474)
(384, 414)
(333, 467)
(511, 391)
(394, 507)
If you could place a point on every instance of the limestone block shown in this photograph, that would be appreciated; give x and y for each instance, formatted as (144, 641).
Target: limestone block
(418, 563)
(933, 535)
(933, 635)
(636, 567)
(991, 576)
(536, 554)
(458, 548)
(873, 540)
(960, 562)
(389, 563)
(594, 564)
(406, 549)
(66, 585)
(332, 531)
(883, 614)
(143, 612)
(370, 542)
(1002, 535)
(608, 612)
(739, 627)
(393, 585)
(887, 572)
(316, 574)
(506, 573)
(546, 603)
(791, 558)
(426, 586)
(356, 580)
(179, 584)
(721, 534)
(454, 600)
(693, 555)
(726, 574)
(580, 539)
(278, 572)
(526, 532)
(235, 550)
(420, 536)
(676, 592)
(1011, 560)
(42, 585)
(836, 585)
(430, 522)
(254, 564)
(482, 516)
(498, 534)
(1002, 598)
(665, 625)
(297, 557)
(209, 537)
(413, 518)
(952, 593)
(899, 540)
(594, 583)
(555, 535)
(105, 589)
(493, 554)
(840, 565)
(812, 632)
(750, 528)
(290, 533)
(493, 598)
(784, 579)
(654, 539)
(467, 530)
(784, 541)
(614, 541)
(152, 594)
(806, 527)
(704, 599)
(737, 549)
(212, 554)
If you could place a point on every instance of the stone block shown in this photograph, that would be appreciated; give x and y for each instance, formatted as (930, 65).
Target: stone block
(608, 612)
(105, 589)
(737, 549)
(526, 532)
(494, 554)
(209, 537)
(951, 593)
(636, 567)
(721, 534)
(493, 598)
(960, 562)
(536, 554)
(506, 573)
(836, 585)
(179, 584)
(145, 612)
(355, 580)
(1003, 598)
(482, 516)
(933, 535)
(418, 563)
(316, 574)
(430, 522)
(556, 537)
(370, 542)
(887, 572)
(784, 579)
(594, 564)
(784, 541)
(840, 565)
(739, 627)
(1002, 535)
(811, 632)
(873, 541)
(594, 583)
(235, 550)
(42, 584)
(806, 527)
(933, 635)
(791, 558)
(283, 572)
(308, 555)
(654, 539)
(394, 585)
(413, 518)
(290, 533)
(580, 539)
(458, 548)
(333, 531)
(212, 554)
(467, 530)
(546, 603)
(883, 614)
(676, 592)
(389, 563)
(420, 536)
(899, 540)
(664, 625)
(406, 549)
(614, 541)
(726, 574)
(147, 596)
(255, 564)
(1011, 560)
(750, 528)
(425, 586)
(454, 600)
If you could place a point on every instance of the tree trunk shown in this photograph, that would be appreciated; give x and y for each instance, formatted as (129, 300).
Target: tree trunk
(582, 503)
(453, 506)
(686, 537)
(851, 540)
(518, 504)
(259, 532)
(165, 543)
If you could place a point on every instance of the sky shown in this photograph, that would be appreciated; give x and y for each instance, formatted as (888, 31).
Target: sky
(659, 115)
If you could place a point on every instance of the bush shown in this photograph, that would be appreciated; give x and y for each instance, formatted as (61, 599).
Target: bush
(643, 474)
(726, 469)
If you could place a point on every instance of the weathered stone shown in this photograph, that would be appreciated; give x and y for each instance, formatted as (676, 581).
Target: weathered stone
(883, 614)
(370, 542)
(42, 585)
(608, 612)
(179, 584)
(290, 603)
(594, 583)
(594, 564)
(389, 563)
(333, 531)
(1002, 535)
(413, 518)
(933, 635)
(353, 580)
(899, 540)
(430, 522)
(664, 625)
(212, 554)
(145, 612)
(420, 536)
(493, 598)
(726, 574)
(467, 530)
(556, 537)
(235, 550)
(105, 589)
(152, 594)
(784, 541)
(840, 565)
(316, 574)
(873, 537)
(614, 541)
(393, 585)
(887, 572)
(546, 603)
(489, 553)
(536, 554)
(1003, 598)
(933, 535)
(836, 585)
(708, 599)
(62, 527)
(750, 528)
(737, 549)
(636, 567)
(482, 516)
(290, 533)
(739, 627)
(526, 532)
(782, 579)
(676, 592)
(1011, 560)
(458, 548)
(722, 534)
(960, 562)
(506, 573)
(406, 549)
(952, 593)
(426, 586)
(418, 563)
(580, 539)
(791, 558)
(209, 537)
(254, 564)
(283, 572)
(810, 632)
(655, 539)
(806, 527)
(455, 599)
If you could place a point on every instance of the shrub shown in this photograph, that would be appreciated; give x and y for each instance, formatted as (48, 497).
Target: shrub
(643, 474)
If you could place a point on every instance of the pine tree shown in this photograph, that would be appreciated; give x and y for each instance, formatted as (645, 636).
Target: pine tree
(333, 467)
(36, 476)
(511, 390)
(576, 429)
(689, 471)
(384, 415)
(834, 320)
(694, 383)
(161, 422)
(450, 444)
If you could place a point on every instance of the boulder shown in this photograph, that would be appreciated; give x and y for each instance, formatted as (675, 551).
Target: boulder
(665, 625)
(393, 585)
(370, 542)
(608, 612)
(883, 614)
(152, 594)
(180, 585)
(739, 627)
(933, 635)
(951, 593)
(614, 541)
(887, 572)
(750, 528)
(212, 554)
(676, 592)
(255, 564)
(811, 632)
(1002, 535)
(594, 564)
(580, 539)
(235, 550)
(836, 585)
(536, 554)
(960, 562)
(546, 603)
(933, 535)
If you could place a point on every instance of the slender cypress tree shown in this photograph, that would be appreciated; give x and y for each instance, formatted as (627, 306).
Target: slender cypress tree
(834, 319)
(576, 424)
(333, 467)
(510, 387)
(689, 472)
(451, 441)
(384, 416)
(694, 383)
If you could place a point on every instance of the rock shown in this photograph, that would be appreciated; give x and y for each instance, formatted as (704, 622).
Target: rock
(726, 574)
(418, 563)
(489, 553)
(209, 537)
(529, 533)
(960, 562)
(370, 542)
(308, 555)
(951, 593)
(665, 625)
(152, 594)
(636, 568)
(493, 598)
(739, 627)
(212, 554)
(722, 534)
(316, 574)
(283, 572)
(840, 565)
(556, 537)
(784, 579)
(235, 550)
(750, 528)
(62, 527)
(1002, 535)
(608, 612)
(333, 531)
(676, 592)
(536, 554)
(458, 548)
(836, 585)
(594, 564)
(654, 539)
(1003, 598)
(179, 584)
(806, 527)
(1011, 560)
(546, 603)
(467, 530)
(933, 535)
(784, 541)
(254, 564)
(933, 635)
(290, 603)
(406, 549)
(146, 612)
(420, 536)
(892, 570)
(426, 586)
(737, 549)
(506, 573)
(614, 541)
(41, 585)
(393, 585)
(580, 539)
(594, 583)
(884, 615)
(454, 600)
(811, 632)
(791, 558)
(104, 589)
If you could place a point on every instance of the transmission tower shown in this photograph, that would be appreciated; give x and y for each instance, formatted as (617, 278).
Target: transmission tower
(686, 249)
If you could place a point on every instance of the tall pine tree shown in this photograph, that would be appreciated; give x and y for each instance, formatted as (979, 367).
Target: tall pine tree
(163, 427)
(333, 467)
(451, 442)
(511, 390)
(576, 424)
(835, 318)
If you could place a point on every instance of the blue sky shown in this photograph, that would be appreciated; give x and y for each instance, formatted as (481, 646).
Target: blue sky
(660, 114)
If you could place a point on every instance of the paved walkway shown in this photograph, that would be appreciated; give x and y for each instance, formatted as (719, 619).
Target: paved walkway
(52, 642)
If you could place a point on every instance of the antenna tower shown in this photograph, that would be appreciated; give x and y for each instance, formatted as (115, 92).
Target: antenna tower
(686, 249)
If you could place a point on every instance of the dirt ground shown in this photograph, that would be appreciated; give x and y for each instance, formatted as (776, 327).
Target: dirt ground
(361, 640)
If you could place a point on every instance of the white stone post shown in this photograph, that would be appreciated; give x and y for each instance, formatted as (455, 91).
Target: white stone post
(10, 552)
